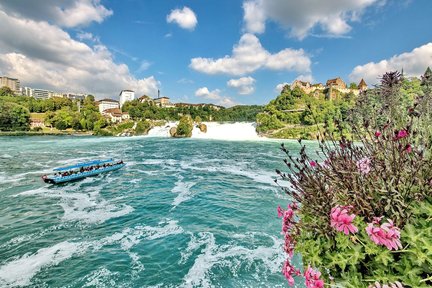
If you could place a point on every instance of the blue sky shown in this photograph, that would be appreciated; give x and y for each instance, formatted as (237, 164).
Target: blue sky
(225, 52)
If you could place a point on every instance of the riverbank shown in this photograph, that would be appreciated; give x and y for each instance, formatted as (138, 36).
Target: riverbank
(45, 133)
(215, 130)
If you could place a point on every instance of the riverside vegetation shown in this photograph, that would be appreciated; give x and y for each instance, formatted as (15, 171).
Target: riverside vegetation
(62, 115)
(295, 114)
(361, 207)
(291, 115)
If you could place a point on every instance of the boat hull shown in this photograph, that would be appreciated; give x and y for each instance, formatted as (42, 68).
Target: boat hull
(81, 175)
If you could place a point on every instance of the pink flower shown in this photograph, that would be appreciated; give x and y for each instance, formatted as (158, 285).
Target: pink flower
(377, 134)
(363, 165)
(287, 216)
(402, 134)
(280, 211)
(289, 245)
(408, 148)
(313, 164)
(289, 271)
(387, 234)
(287, 220)
(312, 278)
(342, 221)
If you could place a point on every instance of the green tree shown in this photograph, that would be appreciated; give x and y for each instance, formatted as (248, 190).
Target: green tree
(142, 127)
(14, 117)
(76, 124)
(6, 91)
(353, 85)
(61, 124)
(185, 126)
(89, 99)
(268, 122)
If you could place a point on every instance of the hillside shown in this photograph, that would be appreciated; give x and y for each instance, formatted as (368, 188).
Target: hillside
(294, 113)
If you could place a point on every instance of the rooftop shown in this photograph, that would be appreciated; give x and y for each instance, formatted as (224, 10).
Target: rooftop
(108, 100)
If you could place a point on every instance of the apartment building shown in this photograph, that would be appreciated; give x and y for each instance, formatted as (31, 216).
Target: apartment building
(12, 83)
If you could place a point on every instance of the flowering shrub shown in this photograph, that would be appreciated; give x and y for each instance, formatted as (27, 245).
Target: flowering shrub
(361, 208)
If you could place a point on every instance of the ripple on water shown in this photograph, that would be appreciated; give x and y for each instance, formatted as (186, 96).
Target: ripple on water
(183, 191)
(20, 270)
(231, 256)
(87, 206)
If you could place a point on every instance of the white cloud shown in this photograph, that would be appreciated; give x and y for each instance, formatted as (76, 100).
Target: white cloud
(66, 13)
(82, 36)
(248, 56)
(214, 95)
(244, 85)
(413, 63)
(300, 17)
(185, 18)
(227, 102)
(42, 55)
(306, 78)
(185, 81)
(144, 66)
(280, 86)
(205, 93)
(254, 17)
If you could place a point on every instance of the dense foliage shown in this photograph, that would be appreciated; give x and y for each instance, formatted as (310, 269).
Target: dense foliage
(14, 117)
(149, 110)
(294, 108)
(362, 210)
(60, 113)
(185, 127)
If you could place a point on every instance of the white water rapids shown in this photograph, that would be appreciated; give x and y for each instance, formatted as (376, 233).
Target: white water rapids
(215, 130)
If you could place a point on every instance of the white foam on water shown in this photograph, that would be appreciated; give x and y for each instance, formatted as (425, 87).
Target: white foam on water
(28, 237)
(89, 208)
(161, 131)
(183, 190)
(260, 176)
(6, 156)
(228, 255)
(7, 179)
(19, 272)
(129, 237)
(101, 278)
(238, 131)
(33, 192)
(137, 266)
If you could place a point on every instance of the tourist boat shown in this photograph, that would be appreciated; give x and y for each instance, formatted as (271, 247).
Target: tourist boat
(82, 170)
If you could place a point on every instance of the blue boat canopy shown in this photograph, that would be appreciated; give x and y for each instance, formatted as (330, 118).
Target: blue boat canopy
(84, 164)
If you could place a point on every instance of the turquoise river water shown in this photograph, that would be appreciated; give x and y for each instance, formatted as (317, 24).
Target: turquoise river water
(182, 213)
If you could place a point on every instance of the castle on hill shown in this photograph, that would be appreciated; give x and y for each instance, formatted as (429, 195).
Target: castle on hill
(332, 88)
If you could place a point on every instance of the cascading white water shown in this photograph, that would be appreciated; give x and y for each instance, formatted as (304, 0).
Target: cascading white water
(161, 131)
(215, 130)
(228, 131)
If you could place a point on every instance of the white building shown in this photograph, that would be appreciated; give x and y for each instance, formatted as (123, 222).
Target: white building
(126, 95)
(41, 93)
(75, 96)
(27, 91)
(12, 83)
(105, 104)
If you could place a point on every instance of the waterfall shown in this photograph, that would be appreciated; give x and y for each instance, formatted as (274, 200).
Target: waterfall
(228, 131)
(161, 131)
(215, 130)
